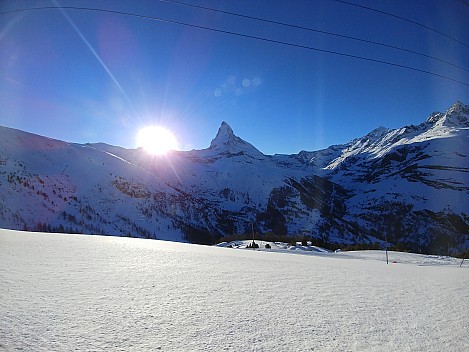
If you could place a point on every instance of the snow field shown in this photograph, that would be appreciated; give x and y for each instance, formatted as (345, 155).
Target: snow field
(92, 293)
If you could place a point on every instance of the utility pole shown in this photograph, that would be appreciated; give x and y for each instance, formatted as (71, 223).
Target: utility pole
(82, 220)
(386, 239)
(386, 224)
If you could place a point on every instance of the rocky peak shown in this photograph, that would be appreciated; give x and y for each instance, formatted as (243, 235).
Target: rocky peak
(456, 116)
(227, 142)
(377, 133)
(224, 137)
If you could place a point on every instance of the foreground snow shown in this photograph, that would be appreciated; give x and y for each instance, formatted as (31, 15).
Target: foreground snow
(71, 292)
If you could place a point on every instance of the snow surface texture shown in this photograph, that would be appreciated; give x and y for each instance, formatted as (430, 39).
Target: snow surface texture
(91, 293)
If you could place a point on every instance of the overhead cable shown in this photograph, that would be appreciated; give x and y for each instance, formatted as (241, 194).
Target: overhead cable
(403, 19)
(315, 30)
(338, 53)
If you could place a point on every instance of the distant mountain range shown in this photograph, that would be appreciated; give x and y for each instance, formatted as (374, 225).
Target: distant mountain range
(407, 186)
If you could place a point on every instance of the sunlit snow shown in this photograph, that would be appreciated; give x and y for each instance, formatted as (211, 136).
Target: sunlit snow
(92, 293)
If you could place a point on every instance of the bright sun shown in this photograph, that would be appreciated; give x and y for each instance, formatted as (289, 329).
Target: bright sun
(156, 140)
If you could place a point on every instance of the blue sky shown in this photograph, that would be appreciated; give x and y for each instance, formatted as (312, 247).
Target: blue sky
(88, 76)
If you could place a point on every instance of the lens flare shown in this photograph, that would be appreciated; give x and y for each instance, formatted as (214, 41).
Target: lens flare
(156, 140)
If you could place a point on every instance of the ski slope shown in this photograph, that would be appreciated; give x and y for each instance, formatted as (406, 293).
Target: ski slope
(91, 293)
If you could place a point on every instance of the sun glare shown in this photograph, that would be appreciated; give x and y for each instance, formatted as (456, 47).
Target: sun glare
(156, 140)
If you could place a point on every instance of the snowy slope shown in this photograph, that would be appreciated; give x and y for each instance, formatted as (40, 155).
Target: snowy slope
(49, 182)
(408, 186)
(93, 293)
(379, 255)
(418, 175)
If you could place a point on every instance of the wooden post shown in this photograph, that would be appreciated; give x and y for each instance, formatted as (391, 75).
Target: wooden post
(464, 257)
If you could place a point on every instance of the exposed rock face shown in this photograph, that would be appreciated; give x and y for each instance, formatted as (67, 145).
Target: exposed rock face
(409, 185)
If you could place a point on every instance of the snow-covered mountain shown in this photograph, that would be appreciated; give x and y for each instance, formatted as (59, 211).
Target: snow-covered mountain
(408, 185)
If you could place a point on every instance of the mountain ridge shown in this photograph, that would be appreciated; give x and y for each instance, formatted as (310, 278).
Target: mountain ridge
(408, 185)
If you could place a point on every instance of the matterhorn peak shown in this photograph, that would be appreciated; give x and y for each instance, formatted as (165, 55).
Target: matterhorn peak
(225, 136)
(227, 142)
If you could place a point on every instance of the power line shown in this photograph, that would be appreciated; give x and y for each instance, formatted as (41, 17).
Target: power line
(316, 31)
(403, 19)
(338, 53)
